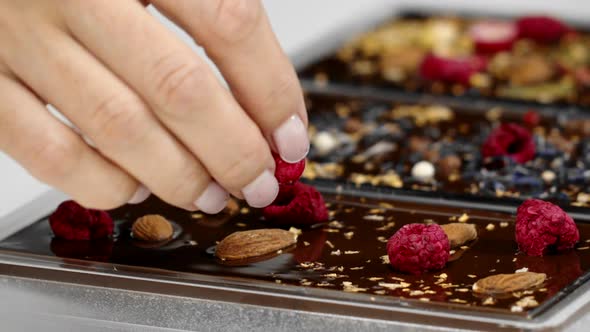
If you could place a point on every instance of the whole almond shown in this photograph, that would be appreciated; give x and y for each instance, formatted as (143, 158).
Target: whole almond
(459, 233)
(254, 243)
(508, 283)
(152, 228)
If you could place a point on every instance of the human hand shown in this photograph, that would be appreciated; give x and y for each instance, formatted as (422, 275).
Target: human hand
(157, 116)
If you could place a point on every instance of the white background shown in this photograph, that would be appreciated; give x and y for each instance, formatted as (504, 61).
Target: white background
(298, 24)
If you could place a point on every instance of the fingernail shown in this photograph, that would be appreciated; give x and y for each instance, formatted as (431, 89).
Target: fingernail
(140, 195)
(262, 191)
(291, 140)
(213, 199)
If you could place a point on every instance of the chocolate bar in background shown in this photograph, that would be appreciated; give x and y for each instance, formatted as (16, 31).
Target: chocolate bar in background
(451, 151)
(535, 59)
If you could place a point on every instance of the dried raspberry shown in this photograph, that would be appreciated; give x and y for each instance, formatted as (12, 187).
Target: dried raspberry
(71, 221)
(287, 173)
(417, 248)
(454, 70)
(531, 119)
(543, 29)
(491, 37)
(304, 205)
(542, 226)
(510, 140)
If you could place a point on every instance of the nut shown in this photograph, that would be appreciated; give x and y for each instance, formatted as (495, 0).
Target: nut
(508, 283)
(449, 165)
(242, 246)
(153, 228)
(459, 233)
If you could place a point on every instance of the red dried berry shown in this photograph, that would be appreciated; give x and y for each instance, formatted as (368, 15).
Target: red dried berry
(542, 226)
(531, 119)
(543, 29)
(453, 70)
(71, 221)
(418, 248)
(287, 173)
(510, 140)
(303, 206)
(491, 37)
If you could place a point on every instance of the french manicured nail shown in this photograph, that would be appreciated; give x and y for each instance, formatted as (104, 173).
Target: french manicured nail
(140, 195)
(262, 191)
(291, 140)
(213, 199)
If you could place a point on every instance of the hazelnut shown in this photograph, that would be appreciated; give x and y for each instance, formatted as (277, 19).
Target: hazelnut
(418, 144)
(353, 125)
(153, 228)
(449, 165)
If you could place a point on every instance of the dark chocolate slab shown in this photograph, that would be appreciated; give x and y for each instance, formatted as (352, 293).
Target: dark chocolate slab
(350, 248)
(376, 142)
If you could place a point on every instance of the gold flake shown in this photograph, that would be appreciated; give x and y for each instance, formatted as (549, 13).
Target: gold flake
(340, 268)
(583, 248)
(351, 252)
(386, 205)
(385, 259)
(464, 247)
(457, 301)
(376, 211)
(331, 230)
(241, 224)
(472, 276)
(462, 290)
(382, 239)
(347, 286)
(348, 235)
(516, 308)
(489, 301)
(324, 284)
(463, 218)
(504, 224)
(424, 299)
(334, 275)
(357, 268)
(336, 253)
(197, 215)
(394, 286)
(305, 243)
(335, 224)
(379, 292)
(375, 278)
(295, 231)
(373, 217)
(416, 293)
(330, 244)
(244, 210)
(386, 227)
(278, 281)
(490, 227)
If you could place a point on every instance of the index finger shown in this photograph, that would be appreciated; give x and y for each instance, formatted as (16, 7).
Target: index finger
(238, 38)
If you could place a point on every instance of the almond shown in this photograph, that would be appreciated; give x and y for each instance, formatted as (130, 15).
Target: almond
(459, 233)
(242, 246)
(508, 283)
(152, 228)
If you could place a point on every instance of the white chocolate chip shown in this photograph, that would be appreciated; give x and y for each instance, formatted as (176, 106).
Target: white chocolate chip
(423, 171)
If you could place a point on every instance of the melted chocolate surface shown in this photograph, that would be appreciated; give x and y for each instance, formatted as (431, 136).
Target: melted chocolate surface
(344, 254)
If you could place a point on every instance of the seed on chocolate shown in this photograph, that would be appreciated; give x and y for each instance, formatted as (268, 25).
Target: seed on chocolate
(423, 171)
